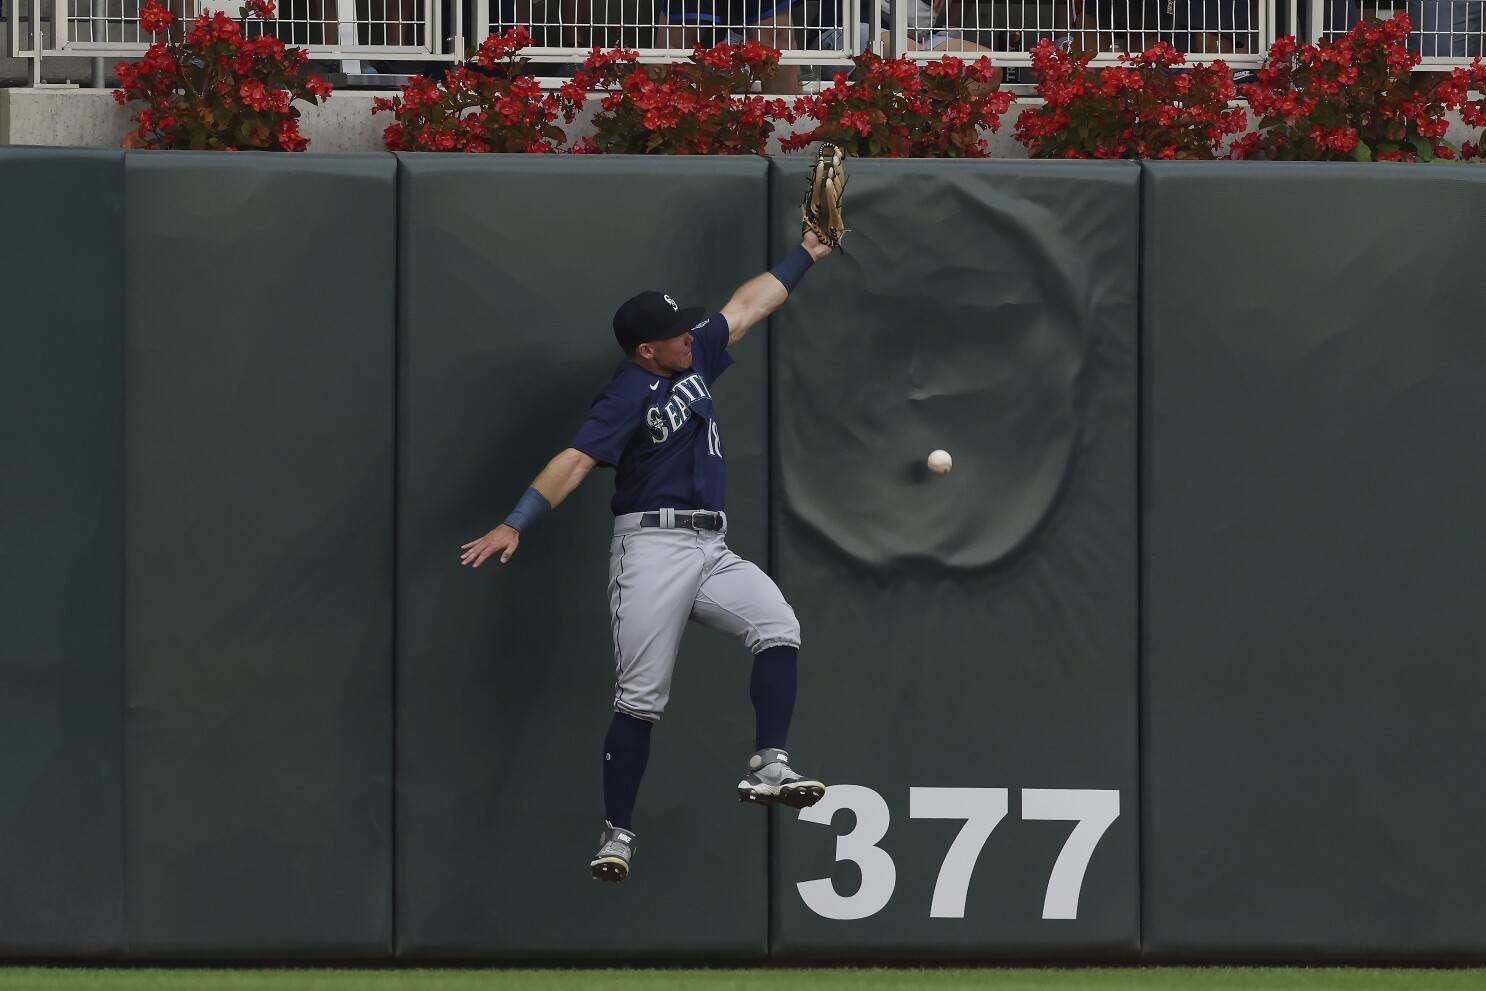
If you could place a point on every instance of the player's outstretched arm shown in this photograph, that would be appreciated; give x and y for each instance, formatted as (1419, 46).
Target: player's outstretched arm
(763, 294)
(555, 483)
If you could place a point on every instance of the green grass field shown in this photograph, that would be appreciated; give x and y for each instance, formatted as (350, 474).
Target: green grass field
(1101, 979)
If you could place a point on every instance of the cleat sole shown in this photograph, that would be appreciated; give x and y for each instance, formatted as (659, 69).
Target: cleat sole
(802, 796)
(797, 796)
(609, 871)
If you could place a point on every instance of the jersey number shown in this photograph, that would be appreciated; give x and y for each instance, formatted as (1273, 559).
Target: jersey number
(714, 439)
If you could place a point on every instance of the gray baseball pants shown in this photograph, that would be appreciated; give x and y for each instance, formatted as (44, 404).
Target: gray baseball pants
(660, 577)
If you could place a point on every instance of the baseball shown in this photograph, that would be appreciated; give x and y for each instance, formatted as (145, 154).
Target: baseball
(940, 462)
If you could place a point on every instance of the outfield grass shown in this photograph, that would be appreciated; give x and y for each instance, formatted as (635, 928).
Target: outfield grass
(1101, 979)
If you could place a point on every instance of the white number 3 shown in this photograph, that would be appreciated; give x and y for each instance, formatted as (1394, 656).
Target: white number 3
(879, 873)
(982, 809)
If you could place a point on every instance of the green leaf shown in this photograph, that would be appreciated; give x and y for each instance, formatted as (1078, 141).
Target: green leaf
(1362, 153)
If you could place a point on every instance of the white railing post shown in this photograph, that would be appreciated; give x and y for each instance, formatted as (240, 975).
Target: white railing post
(345, 37)
(481, 28)
(38, 44)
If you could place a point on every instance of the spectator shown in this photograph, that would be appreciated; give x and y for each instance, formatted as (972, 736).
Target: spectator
(1196, 27)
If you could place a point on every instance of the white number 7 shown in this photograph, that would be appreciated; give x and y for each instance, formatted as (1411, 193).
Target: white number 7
(982, 809)
(1094, 811)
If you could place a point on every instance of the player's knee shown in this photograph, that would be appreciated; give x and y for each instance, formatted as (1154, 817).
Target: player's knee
(642, 691)
(650, 713)
(779, 628)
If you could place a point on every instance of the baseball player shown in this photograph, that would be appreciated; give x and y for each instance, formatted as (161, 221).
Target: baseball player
(655, 423)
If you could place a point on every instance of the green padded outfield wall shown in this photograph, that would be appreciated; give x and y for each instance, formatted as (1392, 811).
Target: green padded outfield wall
(259, 487)
(61, 552)
(1314, 375)
(968, 676)
(505, 673)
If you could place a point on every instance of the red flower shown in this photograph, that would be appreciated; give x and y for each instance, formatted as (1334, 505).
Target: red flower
(903, 108)
(948, 67)
(1348, 98)
(698, 106)
(289, 137)
(1133, 110)
(214, 88)
(254, 95)
(154, 18)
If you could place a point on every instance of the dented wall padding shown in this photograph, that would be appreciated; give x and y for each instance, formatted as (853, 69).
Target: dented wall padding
(968, 680)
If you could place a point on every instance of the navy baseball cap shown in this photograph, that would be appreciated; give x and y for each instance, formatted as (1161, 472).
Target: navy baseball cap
(652, 316)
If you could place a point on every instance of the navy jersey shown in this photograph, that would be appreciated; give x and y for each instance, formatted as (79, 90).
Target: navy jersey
(661, 434)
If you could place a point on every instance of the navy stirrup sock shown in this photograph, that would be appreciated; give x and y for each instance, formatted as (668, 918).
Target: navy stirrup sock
(772, 688)
(626, 752)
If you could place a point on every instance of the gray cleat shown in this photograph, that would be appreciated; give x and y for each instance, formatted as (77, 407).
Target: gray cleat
(771, 780)
(616, 849)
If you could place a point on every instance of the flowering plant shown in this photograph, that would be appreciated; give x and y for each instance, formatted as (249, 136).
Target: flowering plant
(898, 108)
(485, 105)
(1142, 109)
(696, 107)
(217, 88)
(1454, 91)
(1352, 99)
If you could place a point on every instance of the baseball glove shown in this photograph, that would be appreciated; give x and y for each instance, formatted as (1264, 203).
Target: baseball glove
(822, 206)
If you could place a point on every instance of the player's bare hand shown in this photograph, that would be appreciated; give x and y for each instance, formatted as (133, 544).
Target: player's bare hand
(502, 540)
(812, 244)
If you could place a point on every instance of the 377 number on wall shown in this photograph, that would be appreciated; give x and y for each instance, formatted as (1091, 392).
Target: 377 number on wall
(982, 809)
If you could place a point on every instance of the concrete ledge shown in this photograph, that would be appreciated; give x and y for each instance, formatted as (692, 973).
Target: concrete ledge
(89, 118)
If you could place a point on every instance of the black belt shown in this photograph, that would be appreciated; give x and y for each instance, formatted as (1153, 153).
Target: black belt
(702, 519)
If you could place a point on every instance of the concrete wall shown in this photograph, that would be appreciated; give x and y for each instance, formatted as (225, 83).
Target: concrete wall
(89, 118)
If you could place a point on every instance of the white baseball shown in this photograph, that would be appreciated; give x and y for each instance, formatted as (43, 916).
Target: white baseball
(940, 462)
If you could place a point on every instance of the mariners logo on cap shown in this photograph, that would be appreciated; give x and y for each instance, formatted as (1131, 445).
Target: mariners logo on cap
(672, 302)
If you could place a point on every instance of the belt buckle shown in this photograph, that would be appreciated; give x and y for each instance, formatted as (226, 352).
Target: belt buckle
(703, 512)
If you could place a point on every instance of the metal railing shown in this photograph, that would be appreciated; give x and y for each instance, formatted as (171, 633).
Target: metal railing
(1447, 33)
(332, 30)
(823, 33)
(816, 32)
(1233, 30)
